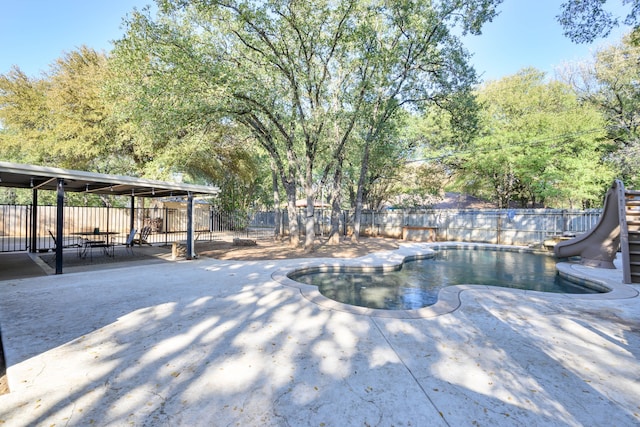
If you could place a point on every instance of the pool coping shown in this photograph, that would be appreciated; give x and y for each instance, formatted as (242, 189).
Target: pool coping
(449, 298)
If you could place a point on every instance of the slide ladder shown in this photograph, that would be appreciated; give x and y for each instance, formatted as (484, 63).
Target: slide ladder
(631, 259)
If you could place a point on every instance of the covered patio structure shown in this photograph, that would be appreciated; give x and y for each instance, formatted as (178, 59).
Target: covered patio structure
(62, 180)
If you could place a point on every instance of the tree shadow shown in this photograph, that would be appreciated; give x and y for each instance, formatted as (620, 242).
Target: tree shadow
(230, 349)
(520, 358)
(221, 343)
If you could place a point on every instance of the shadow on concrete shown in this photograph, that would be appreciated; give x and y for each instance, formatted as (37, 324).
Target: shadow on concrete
(19, 265)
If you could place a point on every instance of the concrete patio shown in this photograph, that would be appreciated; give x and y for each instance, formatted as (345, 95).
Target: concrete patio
(217, 343)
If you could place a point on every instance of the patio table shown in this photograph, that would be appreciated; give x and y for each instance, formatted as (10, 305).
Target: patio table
(92, 239)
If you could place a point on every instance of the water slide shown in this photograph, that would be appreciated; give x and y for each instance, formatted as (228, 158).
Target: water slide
(598, 246)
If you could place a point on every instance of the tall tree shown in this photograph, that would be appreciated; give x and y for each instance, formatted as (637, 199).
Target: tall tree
(610, 84)
(63, 117)
(24, 116)
(538, 144)
(173, 112)
(307, 79)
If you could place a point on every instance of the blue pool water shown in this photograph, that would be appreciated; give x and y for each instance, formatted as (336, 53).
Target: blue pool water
(417, 283)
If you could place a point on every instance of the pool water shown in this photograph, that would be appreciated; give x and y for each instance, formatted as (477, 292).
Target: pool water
(417, 283)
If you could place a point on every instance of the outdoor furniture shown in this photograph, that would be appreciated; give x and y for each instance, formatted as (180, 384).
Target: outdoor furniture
(144, 235)
(90, 245)
(55, 242)
(420, 234)
(55, 245)
(128, 244)
(90, 242)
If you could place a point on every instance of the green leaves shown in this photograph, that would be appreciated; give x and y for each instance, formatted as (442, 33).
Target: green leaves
(538, 144)
(198, 86)
(586, 20)
(63, 118)
(617, 94)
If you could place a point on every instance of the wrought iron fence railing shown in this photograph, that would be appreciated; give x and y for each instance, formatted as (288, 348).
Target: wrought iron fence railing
(513, 226)
(167, 225)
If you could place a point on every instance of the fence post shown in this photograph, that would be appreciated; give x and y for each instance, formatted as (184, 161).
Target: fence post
(34, 223)
(190, 242)
(59, 225)
(132, 223)
(166, 225)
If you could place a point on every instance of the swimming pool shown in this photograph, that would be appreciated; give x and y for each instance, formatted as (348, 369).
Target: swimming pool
(416, 283)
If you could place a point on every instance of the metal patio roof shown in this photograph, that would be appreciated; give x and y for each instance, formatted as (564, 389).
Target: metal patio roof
(46, 178)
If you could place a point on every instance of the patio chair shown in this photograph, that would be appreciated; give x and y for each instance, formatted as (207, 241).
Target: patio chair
(55, 242)
(106, 247)
(55, 245)
(128, 244)
(144, 235)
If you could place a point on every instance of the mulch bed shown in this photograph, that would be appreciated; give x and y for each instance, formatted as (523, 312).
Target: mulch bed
(271, 249)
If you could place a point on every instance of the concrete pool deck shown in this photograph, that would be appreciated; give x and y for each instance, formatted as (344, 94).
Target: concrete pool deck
(209, 342)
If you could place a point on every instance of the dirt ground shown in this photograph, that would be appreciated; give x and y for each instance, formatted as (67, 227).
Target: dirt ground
(275, 249)
(271, 249)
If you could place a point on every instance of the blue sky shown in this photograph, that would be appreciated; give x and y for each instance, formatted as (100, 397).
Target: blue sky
(34, 33)
(525, 34)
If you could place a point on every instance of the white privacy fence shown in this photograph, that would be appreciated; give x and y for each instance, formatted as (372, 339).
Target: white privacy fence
(502, 226)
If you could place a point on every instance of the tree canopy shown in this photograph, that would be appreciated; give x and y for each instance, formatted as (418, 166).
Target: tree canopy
(610, 84)
(63, 118)
(537, 144)
(306, 79)
(584, 21)
(365, 103)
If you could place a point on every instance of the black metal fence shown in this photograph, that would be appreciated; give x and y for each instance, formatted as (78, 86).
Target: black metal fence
(167, 225)
(15, 227)
(513, 226)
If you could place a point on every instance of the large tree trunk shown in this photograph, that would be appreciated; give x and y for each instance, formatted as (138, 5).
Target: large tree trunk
(334, 234)
(277, 231)
(294, 236)
(309, 221)
(364, 168)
